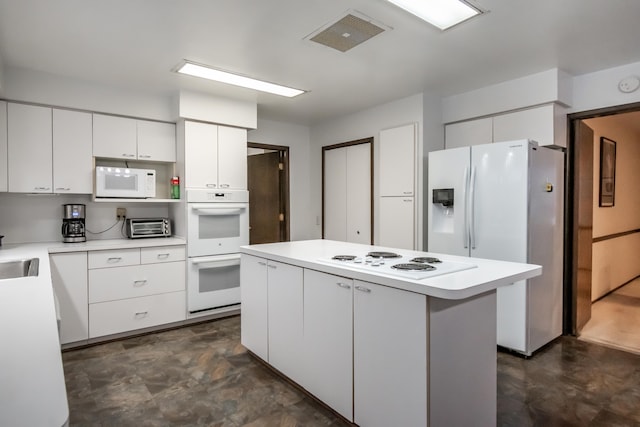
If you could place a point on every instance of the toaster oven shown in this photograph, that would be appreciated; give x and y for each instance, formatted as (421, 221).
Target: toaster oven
(148, 227)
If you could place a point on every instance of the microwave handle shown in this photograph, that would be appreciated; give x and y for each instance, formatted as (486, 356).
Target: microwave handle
(217, 211)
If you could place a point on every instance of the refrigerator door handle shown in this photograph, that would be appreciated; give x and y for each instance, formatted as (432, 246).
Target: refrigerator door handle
(472, 208)
(465, 234)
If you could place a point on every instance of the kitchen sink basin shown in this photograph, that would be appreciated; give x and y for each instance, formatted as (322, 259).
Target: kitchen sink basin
(19, 268)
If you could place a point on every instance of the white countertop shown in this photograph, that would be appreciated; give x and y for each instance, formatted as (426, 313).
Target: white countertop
(487, 276)
(32, 387)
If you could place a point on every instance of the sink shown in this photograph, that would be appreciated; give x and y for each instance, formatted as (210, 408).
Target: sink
(19, 268)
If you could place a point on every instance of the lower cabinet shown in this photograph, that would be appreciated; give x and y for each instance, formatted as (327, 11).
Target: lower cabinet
(69, 278)
(339, 339)
(389, 356)
(328, 340)
(135, 288)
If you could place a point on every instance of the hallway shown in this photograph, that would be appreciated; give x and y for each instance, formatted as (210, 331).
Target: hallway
(615, 319)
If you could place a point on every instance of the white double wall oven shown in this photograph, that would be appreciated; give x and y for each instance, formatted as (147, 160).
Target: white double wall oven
(217, 225)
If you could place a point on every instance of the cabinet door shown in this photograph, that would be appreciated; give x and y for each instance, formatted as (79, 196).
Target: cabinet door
(253, 299)
(397, 161)
(328, 340)
(3, 146)
(284, 310)
(335, 194)
(534, 123)
(72, 152)
(358, 183)
(69, 277)
(156, 141)
(114, 137)
(232, 158)
(466, 134)
(30, 150)
(201, 155)
(389, 356)
(397, 222)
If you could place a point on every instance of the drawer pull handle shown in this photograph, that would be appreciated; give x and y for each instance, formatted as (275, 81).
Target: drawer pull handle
(344, 285)
(114, 259)
(210, 185)
(144, 156)
(138, 283)
(141, 314)
(271, 266)
(163, 256)
(363, 289)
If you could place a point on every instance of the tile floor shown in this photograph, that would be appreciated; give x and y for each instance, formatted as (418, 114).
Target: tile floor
(615, 319)
(200, 375)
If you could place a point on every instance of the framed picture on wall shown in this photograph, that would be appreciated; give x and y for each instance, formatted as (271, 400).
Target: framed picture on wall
(607, 171)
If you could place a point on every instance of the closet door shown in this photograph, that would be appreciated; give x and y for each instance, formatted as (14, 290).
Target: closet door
(335, 194)
(358, 194)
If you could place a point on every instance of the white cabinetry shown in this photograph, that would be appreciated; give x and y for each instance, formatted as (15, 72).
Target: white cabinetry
(397, 222)
(72, 165)
(471, 132)
(328, 340)
(3, 146)
(253, 297)
(135, 288)
(215, 156)
(131, 139)
(397, 161)
(389, 356)
(347, 193)
(285, 320)
(545, 124)
(29, 148)
(69, 277)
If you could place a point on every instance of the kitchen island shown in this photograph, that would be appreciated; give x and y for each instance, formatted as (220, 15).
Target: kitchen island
(379, 346)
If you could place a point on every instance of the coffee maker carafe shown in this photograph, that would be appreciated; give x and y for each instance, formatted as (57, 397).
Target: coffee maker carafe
(73, 224)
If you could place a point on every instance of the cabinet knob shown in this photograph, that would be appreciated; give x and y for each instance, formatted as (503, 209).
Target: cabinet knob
(114, 259)
(138, 283)
(262, 263)
(163, 256)
(211, 186)
(344, 285)
(272, 266)
(128, 155)
(224, 185)
(63, 189)
(362, 288)
(144, 156)
(141, 314)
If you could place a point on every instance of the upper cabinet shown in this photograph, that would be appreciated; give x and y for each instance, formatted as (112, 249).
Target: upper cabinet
(72, 165)
(131, 139)
(215, 156)
(397, 161)
(30, 150)
(3, 146)
(545, 124)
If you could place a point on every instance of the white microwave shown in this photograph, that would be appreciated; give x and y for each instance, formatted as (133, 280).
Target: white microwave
(125, 182)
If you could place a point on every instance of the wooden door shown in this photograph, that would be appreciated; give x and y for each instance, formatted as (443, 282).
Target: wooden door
(582, 224)
(264, 200)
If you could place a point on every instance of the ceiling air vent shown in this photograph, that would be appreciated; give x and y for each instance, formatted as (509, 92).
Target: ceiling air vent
(348, 32)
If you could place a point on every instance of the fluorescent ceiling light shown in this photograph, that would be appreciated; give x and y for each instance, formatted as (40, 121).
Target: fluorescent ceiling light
(234, 79)
(441, 13)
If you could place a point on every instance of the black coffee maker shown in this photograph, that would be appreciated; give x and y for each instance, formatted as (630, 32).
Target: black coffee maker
(73, 224)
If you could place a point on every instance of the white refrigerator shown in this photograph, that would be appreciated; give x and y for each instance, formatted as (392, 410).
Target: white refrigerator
(504, 201)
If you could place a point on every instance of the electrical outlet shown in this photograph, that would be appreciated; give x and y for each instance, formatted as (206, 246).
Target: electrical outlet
(121, 213)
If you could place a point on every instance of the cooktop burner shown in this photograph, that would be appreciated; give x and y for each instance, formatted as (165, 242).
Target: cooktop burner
(412, 266)
(427, 259)
(344, 257)
(383, 255)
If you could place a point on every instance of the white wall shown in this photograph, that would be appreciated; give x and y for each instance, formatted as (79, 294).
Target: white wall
(600, 89)
(363, 124)
(38, 87)
(296, 137)
(615, 260)
(38, 218)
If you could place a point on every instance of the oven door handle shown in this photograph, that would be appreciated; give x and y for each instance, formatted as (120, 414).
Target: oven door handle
(217, 210)
(218, 261)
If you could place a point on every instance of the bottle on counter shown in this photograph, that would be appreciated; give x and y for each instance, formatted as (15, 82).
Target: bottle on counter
(175, 187)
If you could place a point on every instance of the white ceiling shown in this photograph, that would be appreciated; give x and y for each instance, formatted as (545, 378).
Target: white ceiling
(136, 43)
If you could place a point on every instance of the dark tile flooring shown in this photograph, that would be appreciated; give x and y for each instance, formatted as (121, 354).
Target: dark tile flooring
(201, 375)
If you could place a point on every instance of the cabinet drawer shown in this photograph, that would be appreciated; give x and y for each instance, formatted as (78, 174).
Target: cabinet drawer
(162, 254)
(110, 284)
(114, 258)
(113, 317)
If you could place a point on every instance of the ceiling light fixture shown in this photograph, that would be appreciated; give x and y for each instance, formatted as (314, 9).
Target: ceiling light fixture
(441, 13)
(209, 73)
